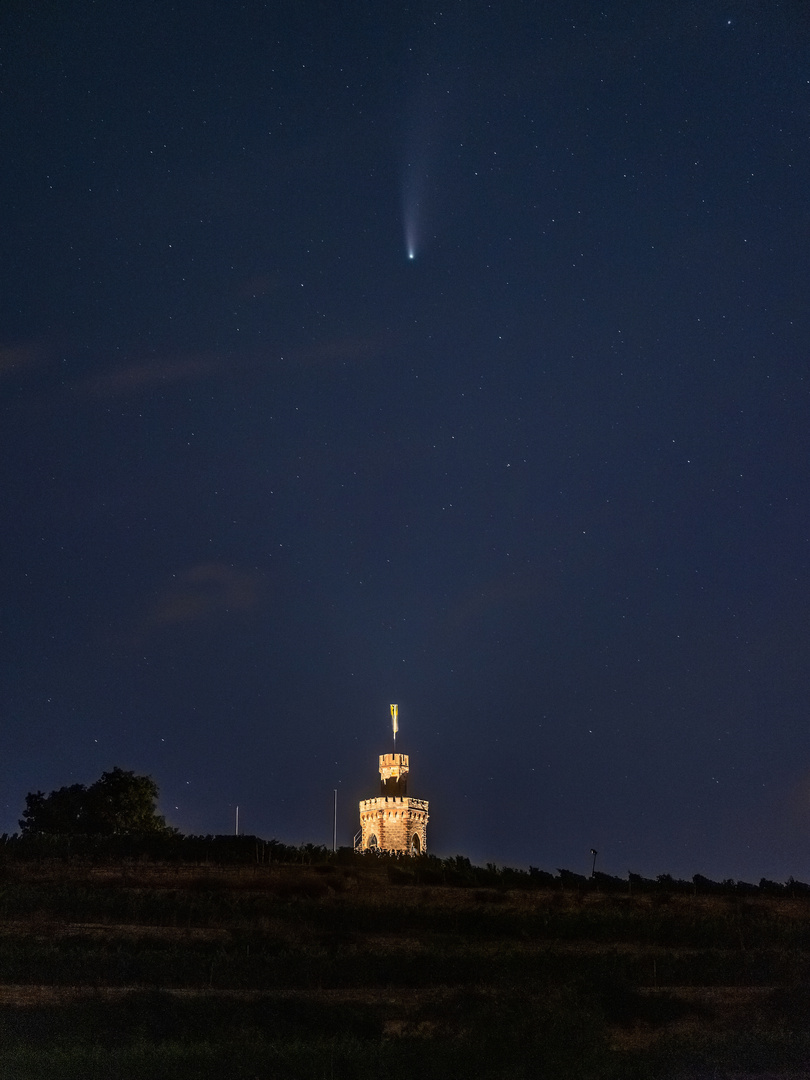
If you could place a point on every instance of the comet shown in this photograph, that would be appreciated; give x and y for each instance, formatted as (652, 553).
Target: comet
(411, 210)
(412, 189)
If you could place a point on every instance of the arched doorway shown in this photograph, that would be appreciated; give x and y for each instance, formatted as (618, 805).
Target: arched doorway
(416, 846)
(373, 843)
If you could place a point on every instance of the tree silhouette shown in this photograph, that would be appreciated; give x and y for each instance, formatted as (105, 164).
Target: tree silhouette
(118, 803)
(63, 812)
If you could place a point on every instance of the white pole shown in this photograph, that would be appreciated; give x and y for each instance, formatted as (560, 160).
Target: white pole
(334, 826)
(237, 822)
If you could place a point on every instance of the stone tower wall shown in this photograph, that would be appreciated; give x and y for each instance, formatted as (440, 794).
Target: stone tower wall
(394, 823)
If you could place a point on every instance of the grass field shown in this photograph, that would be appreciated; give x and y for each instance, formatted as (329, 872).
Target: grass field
(148, 971)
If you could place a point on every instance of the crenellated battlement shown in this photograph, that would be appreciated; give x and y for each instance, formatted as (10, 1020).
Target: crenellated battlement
(389, 761)
(387, 804)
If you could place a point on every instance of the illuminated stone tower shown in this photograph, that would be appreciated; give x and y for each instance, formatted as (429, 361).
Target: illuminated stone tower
(393, 822)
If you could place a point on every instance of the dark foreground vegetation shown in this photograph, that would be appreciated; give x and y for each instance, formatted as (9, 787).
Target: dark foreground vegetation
(229, 957)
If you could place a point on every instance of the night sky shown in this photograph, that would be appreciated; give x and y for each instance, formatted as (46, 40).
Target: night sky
(454, 356)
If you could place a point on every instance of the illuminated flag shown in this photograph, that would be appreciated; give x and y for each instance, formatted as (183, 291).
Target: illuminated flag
(394, 711)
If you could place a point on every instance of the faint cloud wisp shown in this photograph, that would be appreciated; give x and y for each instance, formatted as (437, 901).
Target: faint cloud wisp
(205, 591)
(127, 379)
